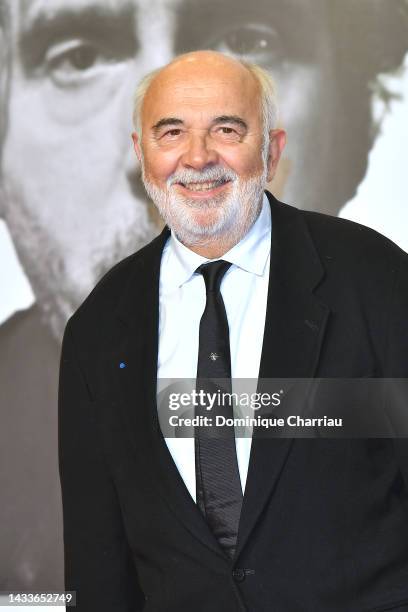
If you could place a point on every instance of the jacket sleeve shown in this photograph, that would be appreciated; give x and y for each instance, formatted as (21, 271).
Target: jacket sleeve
(98, 563)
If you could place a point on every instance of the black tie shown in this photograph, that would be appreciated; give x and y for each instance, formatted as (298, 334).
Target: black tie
(219, 493)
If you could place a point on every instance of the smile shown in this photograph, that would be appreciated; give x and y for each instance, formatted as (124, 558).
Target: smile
(208, 187)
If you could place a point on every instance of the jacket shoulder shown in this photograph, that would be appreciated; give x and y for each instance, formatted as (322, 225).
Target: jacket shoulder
(356, 244)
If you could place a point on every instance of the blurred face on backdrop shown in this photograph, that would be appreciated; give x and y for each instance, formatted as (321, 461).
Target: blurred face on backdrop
(206, 155)
(4, 70)
(74, 199)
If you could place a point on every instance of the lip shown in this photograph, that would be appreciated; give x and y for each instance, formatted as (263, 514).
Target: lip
(203, 195)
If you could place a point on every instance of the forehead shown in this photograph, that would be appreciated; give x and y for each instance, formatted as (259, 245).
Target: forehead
(206, 93)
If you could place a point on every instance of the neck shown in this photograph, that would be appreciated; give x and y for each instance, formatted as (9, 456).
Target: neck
(216, 247)
(213, 250)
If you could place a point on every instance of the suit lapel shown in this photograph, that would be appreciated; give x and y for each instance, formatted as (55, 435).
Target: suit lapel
(294, 329)
(137, 353)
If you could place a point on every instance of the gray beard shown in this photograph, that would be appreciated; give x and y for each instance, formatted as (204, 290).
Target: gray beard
(237, 211)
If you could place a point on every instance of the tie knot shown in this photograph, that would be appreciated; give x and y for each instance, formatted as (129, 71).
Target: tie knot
(213, 273)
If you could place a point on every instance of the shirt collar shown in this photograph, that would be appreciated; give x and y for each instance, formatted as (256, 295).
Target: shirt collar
(249, 254)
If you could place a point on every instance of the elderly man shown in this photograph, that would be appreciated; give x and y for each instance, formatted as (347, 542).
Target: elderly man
(238, 285)
(74, 202)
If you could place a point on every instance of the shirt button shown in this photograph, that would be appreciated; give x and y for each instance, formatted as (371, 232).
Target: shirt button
(238, 574)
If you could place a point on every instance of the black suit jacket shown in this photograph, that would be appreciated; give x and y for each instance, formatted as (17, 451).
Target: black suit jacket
(324, 524)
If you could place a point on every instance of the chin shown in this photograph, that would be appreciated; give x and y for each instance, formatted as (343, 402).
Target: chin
(206, 219)
(209, 223)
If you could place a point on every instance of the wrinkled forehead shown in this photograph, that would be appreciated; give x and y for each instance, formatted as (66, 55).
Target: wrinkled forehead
(203, 94)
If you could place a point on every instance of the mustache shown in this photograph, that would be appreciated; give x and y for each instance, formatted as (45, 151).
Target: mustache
(212, 173)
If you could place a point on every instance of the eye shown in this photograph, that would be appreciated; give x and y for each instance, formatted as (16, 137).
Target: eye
(226, 133)
(73, 61)
(256, 42)
(171, 134)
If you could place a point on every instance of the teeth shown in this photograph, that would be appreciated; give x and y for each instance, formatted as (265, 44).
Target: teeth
(202, 186)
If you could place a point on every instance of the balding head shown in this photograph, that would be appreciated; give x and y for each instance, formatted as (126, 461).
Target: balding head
(202, 60)
(200, 63)
(192, 67)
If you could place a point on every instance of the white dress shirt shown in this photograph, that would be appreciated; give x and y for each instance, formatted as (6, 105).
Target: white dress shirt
(182, 296)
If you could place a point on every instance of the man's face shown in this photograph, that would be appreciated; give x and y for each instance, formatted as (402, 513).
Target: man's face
(203, 150)
(74, 200)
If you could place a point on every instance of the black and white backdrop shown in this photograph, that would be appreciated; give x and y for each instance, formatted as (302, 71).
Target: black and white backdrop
(71, 199)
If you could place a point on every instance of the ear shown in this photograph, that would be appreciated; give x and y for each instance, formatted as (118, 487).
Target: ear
(277, 141)
(136, 146)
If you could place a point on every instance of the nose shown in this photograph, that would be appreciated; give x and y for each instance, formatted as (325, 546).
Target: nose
(199, 151)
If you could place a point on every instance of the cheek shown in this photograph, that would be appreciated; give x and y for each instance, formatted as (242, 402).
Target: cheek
(244, 162)
(160, 165)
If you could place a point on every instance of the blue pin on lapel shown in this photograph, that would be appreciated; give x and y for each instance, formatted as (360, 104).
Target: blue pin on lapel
(122, 365)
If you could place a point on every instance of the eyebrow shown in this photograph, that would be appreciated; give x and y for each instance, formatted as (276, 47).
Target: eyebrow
(167, 121)
(234, 119)
(50, 24)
